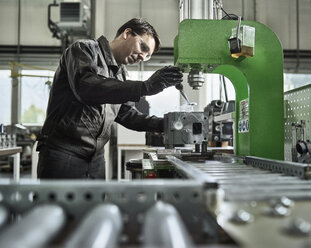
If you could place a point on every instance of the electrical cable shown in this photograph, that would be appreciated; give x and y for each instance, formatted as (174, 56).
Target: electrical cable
(229, 16)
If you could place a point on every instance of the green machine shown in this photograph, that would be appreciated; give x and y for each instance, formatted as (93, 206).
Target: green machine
(201, 46)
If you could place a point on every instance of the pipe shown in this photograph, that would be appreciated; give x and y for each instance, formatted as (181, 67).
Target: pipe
(101, 228)
(4, 215)
(297, 40)
(255, 10)
(163, 227)
(19, 31)
(35, 229)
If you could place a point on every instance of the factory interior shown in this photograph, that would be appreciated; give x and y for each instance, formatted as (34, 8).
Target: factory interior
(224, 161)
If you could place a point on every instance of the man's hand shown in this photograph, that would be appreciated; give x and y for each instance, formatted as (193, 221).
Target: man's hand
(161, 79)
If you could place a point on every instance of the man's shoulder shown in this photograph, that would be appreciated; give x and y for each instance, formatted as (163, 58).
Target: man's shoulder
(86, 42)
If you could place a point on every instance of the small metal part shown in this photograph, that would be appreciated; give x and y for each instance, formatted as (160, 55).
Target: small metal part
(197, 148)
(242, 217)
(277, 210)
(298, 227)
(204, 147)
(284, 201)
(196, 79)
(164, 228)
(101, 228)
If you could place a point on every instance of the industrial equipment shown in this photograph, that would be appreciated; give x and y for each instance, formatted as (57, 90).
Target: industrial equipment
(201, 45)
(193, 198)
(74, 20)
(298, 125)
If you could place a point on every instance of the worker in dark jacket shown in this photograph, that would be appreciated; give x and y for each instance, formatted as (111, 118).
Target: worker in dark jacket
(90, 92)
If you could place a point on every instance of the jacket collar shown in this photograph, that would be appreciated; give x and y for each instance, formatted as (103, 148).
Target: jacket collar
(110, 60)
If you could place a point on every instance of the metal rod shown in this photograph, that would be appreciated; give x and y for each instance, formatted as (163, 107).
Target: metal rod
(297, 37)
(164, 228)
(192, 172)
(100, 228)
(211, 9)
(185, 96)
(35, 229)
(19, 31)
(4, 215)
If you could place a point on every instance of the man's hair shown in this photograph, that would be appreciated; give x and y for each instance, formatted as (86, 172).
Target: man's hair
(141, 27)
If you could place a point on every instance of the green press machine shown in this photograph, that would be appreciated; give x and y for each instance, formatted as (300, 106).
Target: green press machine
(201, 46)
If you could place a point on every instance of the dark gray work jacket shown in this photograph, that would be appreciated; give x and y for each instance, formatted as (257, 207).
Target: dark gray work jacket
(88, 94)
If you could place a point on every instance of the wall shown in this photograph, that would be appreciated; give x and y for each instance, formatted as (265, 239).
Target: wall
(280, 15)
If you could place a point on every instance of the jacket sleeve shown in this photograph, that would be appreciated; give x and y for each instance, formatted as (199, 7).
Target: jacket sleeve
(91, 88)
(131, 118)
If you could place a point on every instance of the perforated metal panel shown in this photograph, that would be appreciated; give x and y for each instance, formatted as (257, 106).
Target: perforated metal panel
(297, 108)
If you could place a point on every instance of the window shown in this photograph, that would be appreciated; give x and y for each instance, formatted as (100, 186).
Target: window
(5, 98)
(166, 101)
(293, 81)
(34, 96)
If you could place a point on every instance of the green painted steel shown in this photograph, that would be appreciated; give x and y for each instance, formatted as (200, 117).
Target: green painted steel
(203, 44)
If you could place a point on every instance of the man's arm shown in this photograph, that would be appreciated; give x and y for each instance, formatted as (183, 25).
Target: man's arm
(91, 88)
(131, 118)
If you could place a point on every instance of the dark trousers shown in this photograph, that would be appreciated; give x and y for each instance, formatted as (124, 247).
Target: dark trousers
(54, 164)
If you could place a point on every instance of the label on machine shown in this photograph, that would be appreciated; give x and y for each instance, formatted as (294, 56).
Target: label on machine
(243, 124)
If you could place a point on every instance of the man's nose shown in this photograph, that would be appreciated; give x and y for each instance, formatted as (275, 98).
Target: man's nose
(142, 56)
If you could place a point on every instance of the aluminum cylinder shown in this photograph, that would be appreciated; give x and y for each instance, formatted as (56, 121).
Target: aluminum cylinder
(4, 215)
(35, 229)
(100, 228)
(164, 228)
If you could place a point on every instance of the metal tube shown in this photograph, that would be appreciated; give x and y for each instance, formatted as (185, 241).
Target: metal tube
(4, 215)
(211, 9)
(164, 228)
(100, 228)
(35, 229)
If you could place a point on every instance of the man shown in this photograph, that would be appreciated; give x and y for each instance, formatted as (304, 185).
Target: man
(90, 92)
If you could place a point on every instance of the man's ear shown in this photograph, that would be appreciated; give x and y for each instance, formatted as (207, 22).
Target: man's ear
(126, 33)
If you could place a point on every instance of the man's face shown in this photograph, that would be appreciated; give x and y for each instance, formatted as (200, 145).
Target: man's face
(136, 48)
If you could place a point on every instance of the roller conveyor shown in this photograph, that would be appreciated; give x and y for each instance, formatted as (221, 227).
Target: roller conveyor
(213, 195)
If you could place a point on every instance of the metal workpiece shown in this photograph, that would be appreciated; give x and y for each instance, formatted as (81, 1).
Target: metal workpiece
(288, 168)
(163, 227)
(185, 128)
(35, 229)
(4, 215)
(100, 228)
